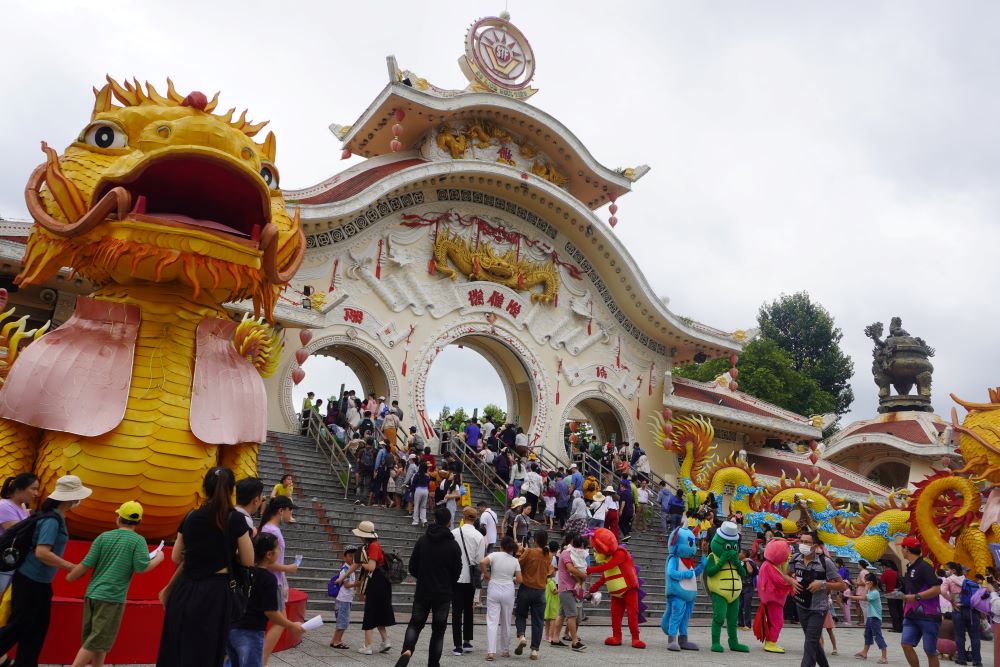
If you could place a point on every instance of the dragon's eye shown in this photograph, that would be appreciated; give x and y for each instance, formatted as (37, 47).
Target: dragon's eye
(269, 174)
(105, 135)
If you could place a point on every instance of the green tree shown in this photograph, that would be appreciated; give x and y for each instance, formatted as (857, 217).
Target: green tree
(458, 419)
(767, 372)
(494, 411)
(805, 330)
(444, 417)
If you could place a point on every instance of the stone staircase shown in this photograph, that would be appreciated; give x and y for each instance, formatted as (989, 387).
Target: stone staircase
(325, 518)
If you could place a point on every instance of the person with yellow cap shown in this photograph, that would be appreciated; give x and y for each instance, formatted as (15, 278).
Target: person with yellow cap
(114, 556)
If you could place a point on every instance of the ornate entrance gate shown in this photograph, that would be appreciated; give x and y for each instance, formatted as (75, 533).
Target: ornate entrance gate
(472, 220)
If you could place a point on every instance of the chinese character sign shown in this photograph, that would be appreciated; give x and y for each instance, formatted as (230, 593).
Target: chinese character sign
(354, 315)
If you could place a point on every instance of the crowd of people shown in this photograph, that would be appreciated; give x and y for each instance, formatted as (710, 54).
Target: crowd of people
(228, 584)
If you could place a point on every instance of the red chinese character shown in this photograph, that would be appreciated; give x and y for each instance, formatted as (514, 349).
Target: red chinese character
(514, 308)
(354, 315)
(602, 372)
(504, 155)
(496, 299)
(475, 297)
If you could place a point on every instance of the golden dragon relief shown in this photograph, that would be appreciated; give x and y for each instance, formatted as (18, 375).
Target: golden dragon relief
(481, 262)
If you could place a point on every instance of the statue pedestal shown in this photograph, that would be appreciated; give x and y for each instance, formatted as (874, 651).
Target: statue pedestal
(908, 403)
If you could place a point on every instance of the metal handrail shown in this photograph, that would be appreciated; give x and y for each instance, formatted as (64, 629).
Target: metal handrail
(483, 472)
(317, 431)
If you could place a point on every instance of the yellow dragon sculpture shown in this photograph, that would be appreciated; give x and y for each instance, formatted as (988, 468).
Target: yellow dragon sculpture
(944, 511)
(483, 263)
(170, 210)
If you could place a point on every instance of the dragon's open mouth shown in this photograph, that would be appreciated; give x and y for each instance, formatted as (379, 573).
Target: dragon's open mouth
(197, 191)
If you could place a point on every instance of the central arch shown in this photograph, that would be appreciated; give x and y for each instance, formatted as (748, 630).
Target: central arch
(519, 370)
(606, 414)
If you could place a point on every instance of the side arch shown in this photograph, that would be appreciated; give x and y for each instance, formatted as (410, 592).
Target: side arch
(371, 366)
(584, 402)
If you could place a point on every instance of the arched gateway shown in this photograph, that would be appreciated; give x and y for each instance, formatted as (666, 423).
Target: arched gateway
(471, 221)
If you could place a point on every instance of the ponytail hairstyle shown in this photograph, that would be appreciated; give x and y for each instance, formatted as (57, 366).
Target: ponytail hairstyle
(274, 505)
(219, 485)
(542, 541)
(17, 483)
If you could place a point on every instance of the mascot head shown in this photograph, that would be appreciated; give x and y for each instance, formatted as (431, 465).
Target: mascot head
(159, 190)
(604, 543)
(727, 539)
(682, 543)
(777, 552)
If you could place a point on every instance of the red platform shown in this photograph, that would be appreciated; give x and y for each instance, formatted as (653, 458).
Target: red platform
(139, 637)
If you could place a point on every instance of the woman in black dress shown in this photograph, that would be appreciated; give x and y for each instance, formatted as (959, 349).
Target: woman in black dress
(377, 589)
(197, 599)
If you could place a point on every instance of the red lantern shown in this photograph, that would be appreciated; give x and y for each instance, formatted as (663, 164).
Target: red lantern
(612, 221)
(301, 355)
(395, 145)
(345, 154)
(613, 209)
(298, 375)
(572, 439)
(946, 461)
(397, 130)
(668, 442)
(814, 457)
(612, 197)
(733, 372)
(813, 445)
(814, 470)
(400, 115)
(734, 359)
(305, 336)
(667, 414)
(572, 427)
(733, 386)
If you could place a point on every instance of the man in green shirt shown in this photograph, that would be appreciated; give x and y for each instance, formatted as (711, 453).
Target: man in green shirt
(114, 556)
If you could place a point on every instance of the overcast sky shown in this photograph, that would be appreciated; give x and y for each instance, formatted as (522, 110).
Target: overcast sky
(849, 149)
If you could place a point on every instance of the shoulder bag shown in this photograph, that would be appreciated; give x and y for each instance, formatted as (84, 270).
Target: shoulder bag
(475, 574)
(240, 580)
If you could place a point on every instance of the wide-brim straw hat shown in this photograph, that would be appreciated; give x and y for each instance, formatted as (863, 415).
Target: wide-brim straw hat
(599, 497)
(610, 489)
(365, 529)
(517, 502)
(69, 488)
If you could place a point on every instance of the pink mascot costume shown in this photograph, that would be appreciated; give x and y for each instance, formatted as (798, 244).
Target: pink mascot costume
(773, 589)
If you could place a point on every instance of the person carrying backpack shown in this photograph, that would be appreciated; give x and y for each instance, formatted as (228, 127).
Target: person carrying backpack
(962, 592)
(366, 467)
(39, 542)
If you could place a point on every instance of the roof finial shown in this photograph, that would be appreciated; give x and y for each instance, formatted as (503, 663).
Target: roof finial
(505, 15)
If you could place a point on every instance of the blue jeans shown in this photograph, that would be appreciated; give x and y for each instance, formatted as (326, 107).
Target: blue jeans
(245, 648)
(924, 630)
(966, 620)
(873, 632)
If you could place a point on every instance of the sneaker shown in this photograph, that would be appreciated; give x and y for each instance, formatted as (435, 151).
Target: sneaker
(534, 654)
(558, 643)
(457, 650)
(385, 647)
(579, 646)
(365, 650)
(467, 647)
(357, 502)
(521, 643)
(415, 523)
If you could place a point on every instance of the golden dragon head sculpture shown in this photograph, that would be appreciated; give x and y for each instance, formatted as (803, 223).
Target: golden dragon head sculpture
(159, 189)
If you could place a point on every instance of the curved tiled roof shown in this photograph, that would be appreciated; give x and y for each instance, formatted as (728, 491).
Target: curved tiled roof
(357, 183)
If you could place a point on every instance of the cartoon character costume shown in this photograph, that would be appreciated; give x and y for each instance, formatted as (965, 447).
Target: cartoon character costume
(725, 583)
(683, 567)
(773, 591)
(618, 572)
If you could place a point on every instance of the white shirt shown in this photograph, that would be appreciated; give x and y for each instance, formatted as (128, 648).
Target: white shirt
(488, 519)
(486, 430)
(532, 483)
(521, 440)
(643, 496)
(600, 509)
(503, 567)
(642, 464)
(475, 546)
(346, 594)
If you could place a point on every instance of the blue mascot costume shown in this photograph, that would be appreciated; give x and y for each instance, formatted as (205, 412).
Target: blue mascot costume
(682, 571)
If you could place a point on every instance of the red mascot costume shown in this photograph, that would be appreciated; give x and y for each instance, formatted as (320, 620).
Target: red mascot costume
(618, 573)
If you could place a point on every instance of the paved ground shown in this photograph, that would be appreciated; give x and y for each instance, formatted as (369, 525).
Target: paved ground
(315, 651)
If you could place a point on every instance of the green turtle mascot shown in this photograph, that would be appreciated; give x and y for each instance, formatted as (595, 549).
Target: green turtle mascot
(724, 576)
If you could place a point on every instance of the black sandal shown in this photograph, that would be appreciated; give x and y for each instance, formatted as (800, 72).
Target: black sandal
(341, 645)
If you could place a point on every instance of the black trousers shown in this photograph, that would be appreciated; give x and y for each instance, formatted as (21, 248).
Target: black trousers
(812, 626)
(530, 600)
(30, 607)
(896, 613)
(461, 612)
(532, 502)
(422, 608)
(746, 606)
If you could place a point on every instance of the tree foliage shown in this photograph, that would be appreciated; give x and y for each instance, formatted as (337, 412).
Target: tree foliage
(806, 332)
(796, 362)
(493, 410)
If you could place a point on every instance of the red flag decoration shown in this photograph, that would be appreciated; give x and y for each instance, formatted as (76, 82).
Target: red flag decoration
(618, 354)
(637, 393)
(406, 348)
(558, 377)
(378, 262)
(333, 278)
(650, 384)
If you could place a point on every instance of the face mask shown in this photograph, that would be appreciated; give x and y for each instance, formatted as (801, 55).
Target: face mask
(805, 549)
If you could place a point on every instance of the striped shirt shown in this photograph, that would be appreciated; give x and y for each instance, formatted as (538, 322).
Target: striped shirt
(115, 556)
